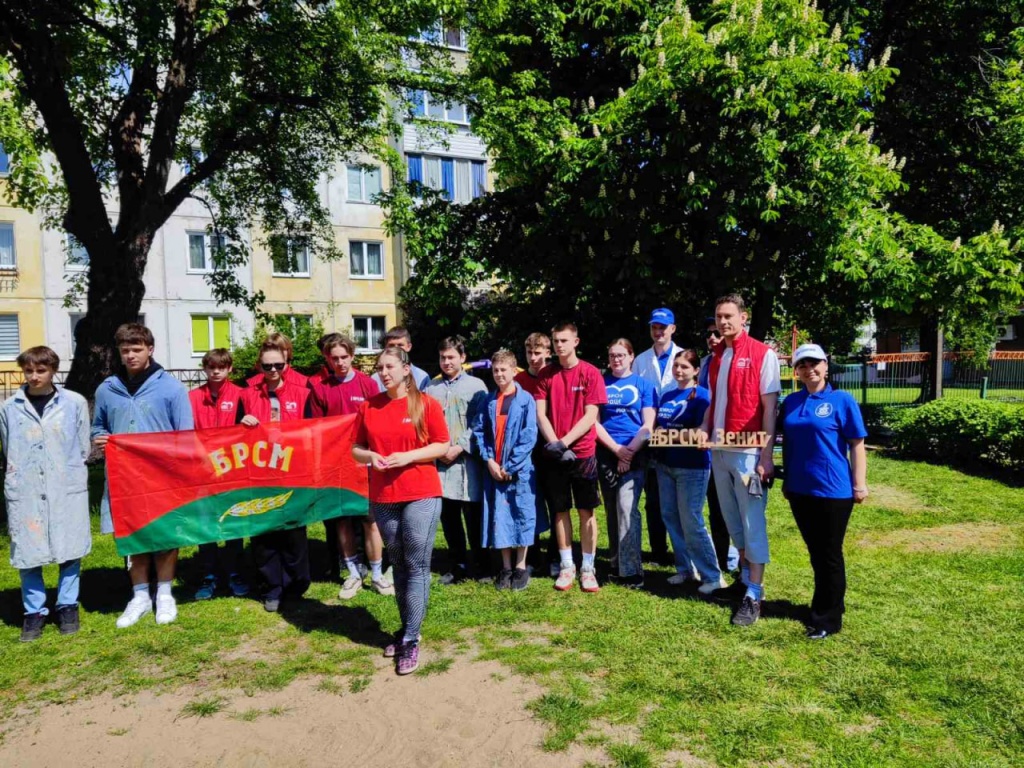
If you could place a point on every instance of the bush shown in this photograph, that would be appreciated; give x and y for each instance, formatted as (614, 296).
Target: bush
(304, 337)
(965, 434)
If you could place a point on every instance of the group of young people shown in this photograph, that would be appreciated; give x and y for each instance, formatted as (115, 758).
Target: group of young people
(495, 467)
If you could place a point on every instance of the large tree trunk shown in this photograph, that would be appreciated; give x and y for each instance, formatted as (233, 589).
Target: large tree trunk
(114, 297)
(764, 307)
(930, 343)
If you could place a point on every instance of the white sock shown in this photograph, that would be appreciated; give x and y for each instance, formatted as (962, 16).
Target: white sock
(565, 556)
(140, 592)
(376, 571)
(163, 588)
(588, 561)
(352, 563)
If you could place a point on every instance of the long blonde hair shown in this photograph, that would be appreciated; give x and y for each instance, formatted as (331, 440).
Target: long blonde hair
(419, 423)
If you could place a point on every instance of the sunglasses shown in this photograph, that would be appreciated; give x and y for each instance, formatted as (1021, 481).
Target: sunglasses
(716, 333)
(273, 366)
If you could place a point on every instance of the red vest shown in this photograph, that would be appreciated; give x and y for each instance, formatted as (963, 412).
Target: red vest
(256, 402)
(208, 413)
(743, 409)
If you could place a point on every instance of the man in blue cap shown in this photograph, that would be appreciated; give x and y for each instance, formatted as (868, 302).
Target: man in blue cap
(655, 365)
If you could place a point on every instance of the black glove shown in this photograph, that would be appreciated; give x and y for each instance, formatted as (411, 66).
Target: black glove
(568, 457)
(555, 450)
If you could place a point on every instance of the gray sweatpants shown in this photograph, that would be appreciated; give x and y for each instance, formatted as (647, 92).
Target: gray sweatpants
(408, 529)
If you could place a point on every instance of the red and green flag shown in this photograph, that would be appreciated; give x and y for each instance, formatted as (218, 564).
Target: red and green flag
(173, 489)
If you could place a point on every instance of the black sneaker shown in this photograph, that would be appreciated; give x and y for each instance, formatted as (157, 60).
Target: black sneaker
(67, 619)
(814, 633)
(520, 579)
(32, 629)
(629, 582)
(749, 612)
(457, 575)
(504, 580)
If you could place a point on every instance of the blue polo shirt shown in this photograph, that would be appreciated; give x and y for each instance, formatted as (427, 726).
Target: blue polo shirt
(622, 416)
(815, 449)
(677, 410)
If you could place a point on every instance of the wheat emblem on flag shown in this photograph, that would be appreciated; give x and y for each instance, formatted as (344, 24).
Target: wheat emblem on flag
(256, 506)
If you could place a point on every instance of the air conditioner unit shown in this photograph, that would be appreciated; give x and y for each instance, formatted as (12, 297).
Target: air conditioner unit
(1006, 332)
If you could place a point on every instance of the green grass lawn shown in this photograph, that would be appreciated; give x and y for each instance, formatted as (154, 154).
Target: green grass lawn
(926, 673)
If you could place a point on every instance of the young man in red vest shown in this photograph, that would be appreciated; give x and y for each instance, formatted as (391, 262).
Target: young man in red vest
(744, 381)
(215, 404)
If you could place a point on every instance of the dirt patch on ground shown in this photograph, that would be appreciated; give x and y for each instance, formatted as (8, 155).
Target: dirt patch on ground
(898, 499)
(471, 714)
(958, 537)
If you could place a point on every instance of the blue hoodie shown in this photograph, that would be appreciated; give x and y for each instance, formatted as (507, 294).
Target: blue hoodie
(160, 405)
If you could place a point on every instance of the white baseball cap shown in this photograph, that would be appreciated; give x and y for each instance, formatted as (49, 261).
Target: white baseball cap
(808, 352)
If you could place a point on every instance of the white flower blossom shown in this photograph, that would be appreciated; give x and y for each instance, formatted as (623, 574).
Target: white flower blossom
(775, 256)
(773, 192)
(774, 50)
(636, 248)
(816, 129)
(602, 192)
(738, 94)
(871, 65)
(640, 70)
(661, 59)
(644, 26)
(661, 200)
(622, 93)
(997, 228)
(590, 102)
(901, 164)
(590, 251)
(869, 133)
(956, 244)
(884, 61)
(728, 261)
(817, 164)
(691, 178)
(722, 132)
(682, 116)
(657, 39)
(750, 256)
(695, 148)
(731, 196)
(700, 77)
(679, 7)
(632, 194)
(597, 132)
(792, 46)
(607, 237)
(837, 33)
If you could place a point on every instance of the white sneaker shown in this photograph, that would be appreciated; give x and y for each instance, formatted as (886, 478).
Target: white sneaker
(382, 586)
(712, 586)
(350, 588)
(166, 609)
(137, 608)
(679, 578)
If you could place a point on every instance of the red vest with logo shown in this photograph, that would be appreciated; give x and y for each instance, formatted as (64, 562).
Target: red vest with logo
(208, 413)
(256, 402)
(743, 409)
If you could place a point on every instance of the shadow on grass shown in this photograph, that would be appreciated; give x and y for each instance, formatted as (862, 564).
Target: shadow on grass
(352, 622)
(657, 584)
(102, 590)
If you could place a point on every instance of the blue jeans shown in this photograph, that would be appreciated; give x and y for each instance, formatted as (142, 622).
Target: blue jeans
(744, 514)
(622, 505)
(33, 588)
(682, 508)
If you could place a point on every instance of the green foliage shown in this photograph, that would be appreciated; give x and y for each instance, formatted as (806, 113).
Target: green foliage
(966, 434)
(304, 337)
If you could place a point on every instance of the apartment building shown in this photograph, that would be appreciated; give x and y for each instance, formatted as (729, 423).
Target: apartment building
(357, 294)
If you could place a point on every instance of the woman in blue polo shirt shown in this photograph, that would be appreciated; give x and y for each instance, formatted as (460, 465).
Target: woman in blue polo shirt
(622, 433)
(826, 474)
(683, 475)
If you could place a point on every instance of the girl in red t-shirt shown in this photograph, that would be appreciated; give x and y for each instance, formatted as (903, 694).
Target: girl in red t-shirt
(400, 433)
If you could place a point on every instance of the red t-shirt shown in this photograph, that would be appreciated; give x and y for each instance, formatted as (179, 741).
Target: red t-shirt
(567, 392)
(208, 413)
(330, 396)
(528, 382)
(383, 426)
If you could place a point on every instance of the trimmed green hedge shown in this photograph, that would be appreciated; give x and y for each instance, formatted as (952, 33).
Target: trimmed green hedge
(966, 434)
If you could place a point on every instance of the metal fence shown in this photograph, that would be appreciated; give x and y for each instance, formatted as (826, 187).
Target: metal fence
(10, 381)
(901, 379)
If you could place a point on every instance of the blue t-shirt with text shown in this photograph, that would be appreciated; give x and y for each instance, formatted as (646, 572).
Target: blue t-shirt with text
(815, 448)
(622, 416)
(683, 409)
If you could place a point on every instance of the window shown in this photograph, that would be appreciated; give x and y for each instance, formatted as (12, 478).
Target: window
(363, 183)
(459, 180)
(366, 259)
(202, 250)
(5, 162)
(446, 34)
(369, 333)
(425, 104)
(290, 256)
(8, 259)
(78, 257)
(10, 338)
(291, 324)
(210, 332)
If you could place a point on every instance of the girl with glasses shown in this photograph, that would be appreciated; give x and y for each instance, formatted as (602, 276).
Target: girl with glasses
(282, 557)
(622, 433)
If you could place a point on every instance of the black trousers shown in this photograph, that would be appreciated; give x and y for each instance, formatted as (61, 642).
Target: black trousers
(333, 551)
(657, 536)
(216, 560)
(719, 532)
(822, 523)
(282, 558)
(471, 555)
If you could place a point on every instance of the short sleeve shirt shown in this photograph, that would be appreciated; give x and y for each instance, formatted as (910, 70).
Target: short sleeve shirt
(567, 392)
(383, 425)
(683, 409)
(816, 433)
(622, 416)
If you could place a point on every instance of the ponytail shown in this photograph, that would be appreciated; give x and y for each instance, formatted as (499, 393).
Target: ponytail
(415, 398)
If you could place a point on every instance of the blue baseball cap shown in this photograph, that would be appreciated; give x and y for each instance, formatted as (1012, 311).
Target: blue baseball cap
(663, 316)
